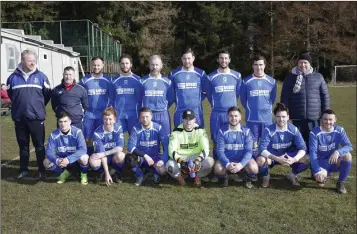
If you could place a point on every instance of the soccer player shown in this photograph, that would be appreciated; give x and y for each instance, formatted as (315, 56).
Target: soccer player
(325, 154)
(144, 143)
(66, 149)
(188, 85)
(257, 95)
(109, 144)
(127, 94)
(234, 149)
(70, 97)
(158, 94)
(100, 91)
(282, 143)
(189, 150)
(222, 87)
(29, 91)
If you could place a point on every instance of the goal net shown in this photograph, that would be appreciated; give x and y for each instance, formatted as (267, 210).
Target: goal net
(345, 75)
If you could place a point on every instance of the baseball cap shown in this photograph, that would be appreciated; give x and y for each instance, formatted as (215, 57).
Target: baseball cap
(188, 114)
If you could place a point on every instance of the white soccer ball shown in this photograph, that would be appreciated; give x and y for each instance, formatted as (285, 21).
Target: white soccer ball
(322, 176)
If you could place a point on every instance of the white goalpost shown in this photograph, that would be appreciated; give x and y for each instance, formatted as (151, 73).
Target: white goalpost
(345, 74)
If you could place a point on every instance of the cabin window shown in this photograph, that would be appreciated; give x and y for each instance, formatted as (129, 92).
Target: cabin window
(11, 57)
(45, 56)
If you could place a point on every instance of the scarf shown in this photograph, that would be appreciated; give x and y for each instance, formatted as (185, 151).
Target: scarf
(299, 78)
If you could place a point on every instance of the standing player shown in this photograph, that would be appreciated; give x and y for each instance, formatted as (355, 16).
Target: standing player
(100, 91)
(29, 91)
(127, 94)
(158, 94)
(222, 88)
(66, 149)
(189, 144)
(144, 146)
(234, 149)
(282, 143)
(325, 154)
(257, 95)
(188, 85)
(109, 144)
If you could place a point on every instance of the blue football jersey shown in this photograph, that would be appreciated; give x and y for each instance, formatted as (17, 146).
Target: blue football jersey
(127, 94)
(72, 145)
(158, 93)
(105, 141)
(100, 93)
(258, 96)
(148, 141)
(278, 142)
(188, 86)
(322, 144)
(234, 145)
(223, 89)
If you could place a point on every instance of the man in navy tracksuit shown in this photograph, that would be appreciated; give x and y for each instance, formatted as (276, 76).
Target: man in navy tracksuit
(29, 91)
(70, 97)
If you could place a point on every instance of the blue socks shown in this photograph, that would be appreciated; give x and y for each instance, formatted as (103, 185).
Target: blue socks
(345, 168)
(264, 170)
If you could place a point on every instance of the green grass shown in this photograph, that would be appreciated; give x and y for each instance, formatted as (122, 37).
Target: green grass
(45, 207)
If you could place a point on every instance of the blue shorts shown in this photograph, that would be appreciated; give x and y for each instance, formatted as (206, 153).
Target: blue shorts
(291, 154)
(257, 129)
(89, 126)
(329, 167)
(199, 117)
(163, 118)
(129, 122)
(217, 120)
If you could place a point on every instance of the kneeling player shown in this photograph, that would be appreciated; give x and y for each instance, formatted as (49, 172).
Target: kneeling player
(235, 149)
(325, 154)
(144, 148)
(189, 149)
(282, 143)
(66, 149)
(109, 144)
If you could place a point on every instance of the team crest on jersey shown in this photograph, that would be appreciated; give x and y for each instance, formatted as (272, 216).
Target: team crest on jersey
(147, 135)
(65, 140)
(329, 138)
(189, 135)
(110, 137)
(234, 136)
(125, 82)
(224, 79)
(187, 77)
(259, 84)
(281, 136)
(155, 84)
(36, 80)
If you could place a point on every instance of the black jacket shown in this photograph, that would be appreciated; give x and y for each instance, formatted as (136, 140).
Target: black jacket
(73, 101)
(312, 99)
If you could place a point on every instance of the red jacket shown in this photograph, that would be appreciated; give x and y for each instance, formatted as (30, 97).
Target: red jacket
(4, 96)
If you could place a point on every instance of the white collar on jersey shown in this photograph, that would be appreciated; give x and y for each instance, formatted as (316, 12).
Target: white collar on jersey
(228, 71)
(151, 126)
(259, 77)
(322, 130)
(159, 76)
(238, 128)
(285, 128)
(68, 134)
(190, 69)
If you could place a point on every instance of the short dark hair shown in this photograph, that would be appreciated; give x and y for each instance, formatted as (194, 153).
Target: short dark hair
(145, 109)
(96, 58)
(187, 51)
(233, 108)
(223, 52)
(127, 56)
(280, 107)
(259, 57)
(329, 112)
(62, 115)
(68, 68)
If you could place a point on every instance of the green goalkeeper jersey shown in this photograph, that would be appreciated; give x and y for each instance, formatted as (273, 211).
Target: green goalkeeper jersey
(184, 144)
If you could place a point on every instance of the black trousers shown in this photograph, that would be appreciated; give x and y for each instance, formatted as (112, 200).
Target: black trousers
(36, 129)
(305, 126)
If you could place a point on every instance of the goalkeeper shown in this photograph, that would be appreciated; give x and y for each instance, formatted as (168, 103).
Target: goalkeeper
(188, 150)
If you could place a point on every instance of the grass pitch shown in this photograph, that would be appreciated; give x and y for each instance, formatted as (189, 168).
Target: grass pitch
(46, 207)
